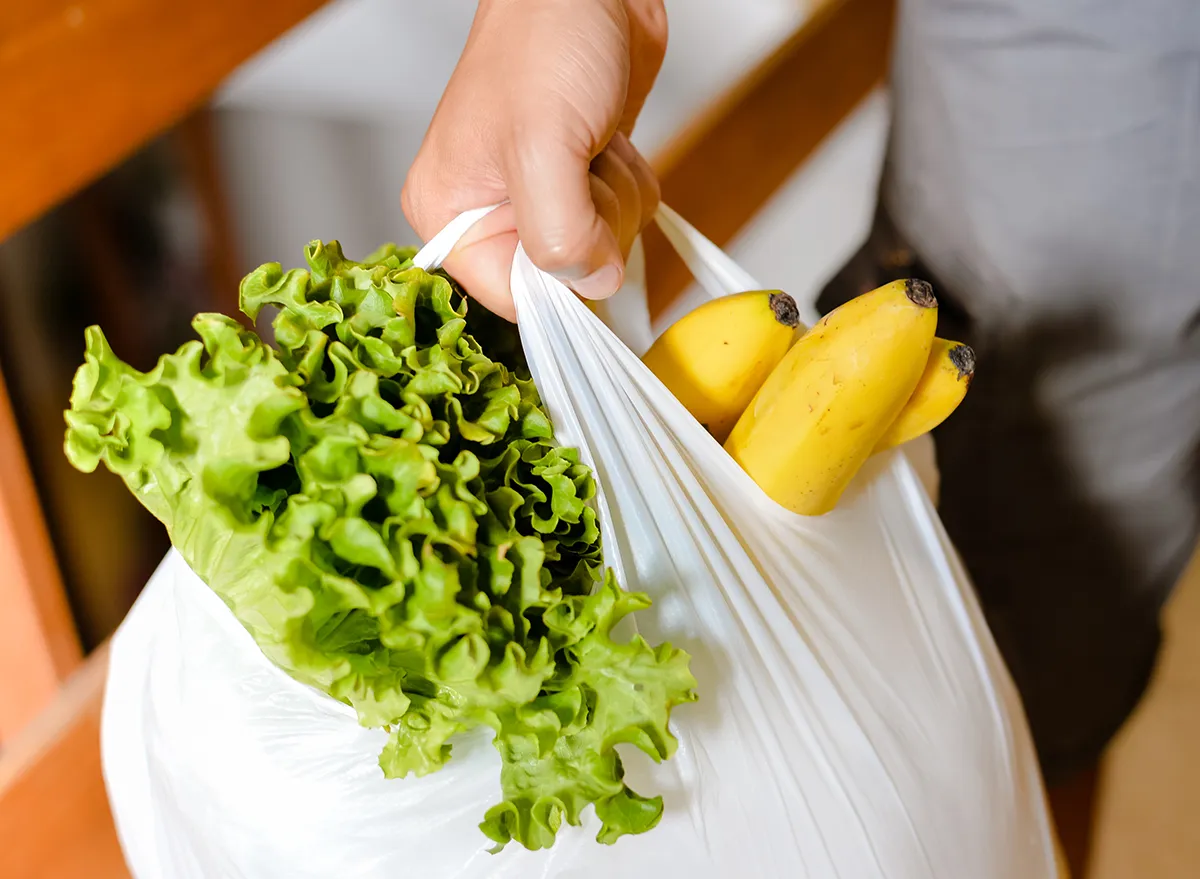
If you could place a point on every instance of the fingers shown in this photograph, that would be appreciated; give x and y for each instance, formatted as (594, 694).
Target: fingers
(623, 191)
(483, 269)
(649, 192)
(482, 261)
(621, 196)
(620, 187)
(579, 220)
(558, 212)
(627, 177)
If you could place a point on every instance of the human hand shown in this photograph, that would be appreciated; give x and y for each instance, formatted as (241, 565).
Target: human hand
(539, 112)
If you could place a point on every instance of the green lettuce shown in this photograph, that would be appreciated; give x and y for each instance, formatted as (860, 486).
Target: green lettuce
(381, 503)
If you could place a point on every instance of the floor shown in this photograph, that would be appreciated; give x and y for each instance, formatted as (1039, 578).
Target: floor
(1147, 820)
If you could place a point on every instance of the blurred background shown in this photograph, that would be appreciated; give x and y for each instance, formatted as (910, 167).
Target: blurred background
(309, 134)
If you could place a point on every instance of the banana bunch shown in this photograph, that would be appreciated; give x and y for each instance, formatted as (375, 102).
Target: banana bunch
(801, 411)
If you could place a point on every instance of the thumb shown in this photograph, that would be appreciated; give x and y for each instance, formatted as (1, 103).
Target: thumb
(565, 215)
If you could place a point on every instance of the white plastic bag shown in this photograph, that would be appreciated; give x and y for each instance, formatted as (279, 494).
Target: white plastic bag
(854, 720)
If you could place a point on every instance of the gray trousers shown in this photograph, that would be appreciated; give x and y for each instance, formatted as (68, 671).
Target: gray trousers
(1044, 173)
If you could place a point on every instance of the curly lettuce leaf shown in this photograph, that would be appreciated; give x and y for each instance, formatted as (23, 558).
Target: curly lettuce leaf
(381, 504)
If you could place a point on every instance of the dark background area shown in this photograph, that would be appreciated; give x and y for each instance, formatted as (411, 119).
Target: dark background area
(137, 252)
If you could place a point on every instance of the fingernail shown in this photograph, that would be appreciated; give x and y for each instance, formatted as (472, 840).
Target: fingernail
(599, 284)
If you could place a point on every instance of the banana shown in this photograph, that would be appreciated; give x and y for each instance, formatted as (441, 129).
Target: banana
(941, 388)
(714, 358)
(824, 408)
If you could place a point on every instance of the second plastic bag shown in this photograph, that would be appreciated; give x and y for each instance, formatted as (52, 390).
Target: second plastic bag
(854, 722)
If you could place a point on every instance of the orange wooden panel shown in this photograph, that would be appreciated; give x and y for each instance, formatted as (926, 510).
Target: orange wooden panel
(55, 822)
(39, 646)
(86, 82)
(724, 166)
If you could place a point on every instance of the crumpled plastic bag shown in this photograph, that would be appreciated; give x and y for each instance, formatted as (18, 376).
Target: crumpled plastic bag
(855, 720)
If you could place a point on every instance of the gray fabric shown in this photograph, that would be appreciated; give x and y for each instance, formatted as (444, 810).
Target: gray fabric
(1046, 154)
(1044, 173)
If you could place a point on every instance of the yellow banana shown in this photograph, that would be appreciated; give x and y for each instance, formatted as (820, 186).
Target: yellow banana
(942, 387)
(826, 405)
(714, 358)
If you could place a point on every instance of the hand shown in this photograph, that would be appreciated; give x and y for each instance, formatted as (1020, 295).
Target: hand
(539, 112)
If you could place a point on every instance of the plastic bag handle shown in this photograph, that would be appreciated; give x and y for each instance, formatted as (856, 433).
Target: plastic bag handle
(435, 251)
(713, 269)
(708, 263)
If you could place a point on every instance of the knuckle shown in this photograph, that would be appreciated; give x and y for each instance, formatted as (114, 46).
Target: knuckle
(409, 202)
(559, 250)
(413, 198)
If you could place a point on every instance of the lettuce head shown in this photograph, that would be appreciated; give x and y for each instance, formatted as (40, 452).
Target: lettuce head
(379, 500)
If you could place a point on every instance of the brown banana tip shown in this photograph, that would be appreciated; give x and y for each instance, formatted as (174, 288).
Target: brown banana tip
(785, 309)
(963, 358)
(920, 293)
